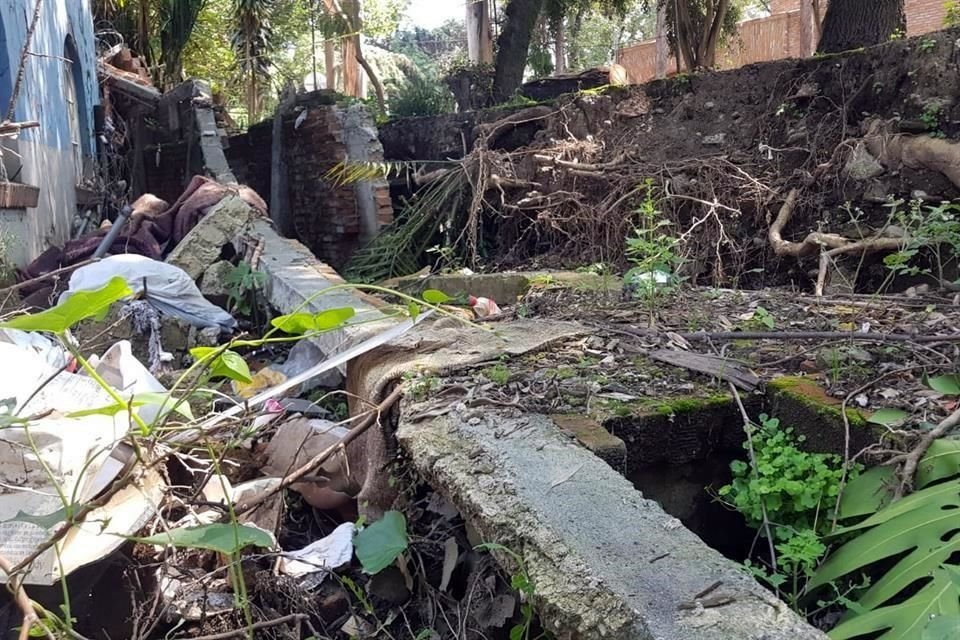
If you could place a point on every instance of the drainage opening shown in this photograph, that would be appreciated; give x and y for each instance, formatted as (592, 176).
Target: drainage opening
(680, 458)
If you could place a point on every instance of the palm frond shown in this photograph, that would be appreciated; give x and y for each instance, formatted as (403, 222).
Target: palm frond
(353, 171)
(399, 249)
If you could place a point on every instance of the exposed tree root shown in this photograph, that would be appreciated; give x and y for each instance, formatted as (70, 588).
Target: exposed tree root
(916, 152)
(911, 460)
(835, 245)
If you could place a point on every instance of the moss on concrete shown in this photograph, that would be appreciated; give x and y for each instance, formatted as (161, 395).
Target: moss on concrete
(803, 404)
(811, 394)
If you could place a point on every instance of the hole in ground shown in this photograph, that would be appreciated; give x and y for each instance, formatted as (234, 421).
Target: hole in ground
(680, 458)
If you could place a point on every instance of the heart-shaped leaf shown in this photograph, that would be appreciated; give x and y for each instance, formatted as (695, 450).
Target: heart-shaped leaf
(296, 324)
(432, 296)
(333, 318)
(138, 400)
(219, 537)
(79, 306)
(228, 364)
(888, 417)
(382, 542)
(948, 385)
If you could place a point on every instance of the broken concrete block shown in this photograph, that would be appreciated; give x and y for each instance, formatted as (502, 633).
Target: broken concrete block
(594, 437)
(214, 285)
(862, 165)
(716, 139)
(203, 245)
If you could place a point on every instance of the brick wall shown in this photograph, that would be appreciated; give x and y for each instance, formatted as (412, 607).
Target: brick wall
(771, 38)
(326, 216)
(924, 16)
(249, 156)
(166, 169)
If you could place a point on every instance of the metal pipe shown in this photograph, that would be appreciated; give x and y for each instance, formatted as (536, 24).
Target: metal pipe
(118, 226)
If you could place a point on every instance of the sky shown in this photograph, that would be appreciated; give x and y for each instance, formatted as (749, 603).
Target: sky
(432, 13)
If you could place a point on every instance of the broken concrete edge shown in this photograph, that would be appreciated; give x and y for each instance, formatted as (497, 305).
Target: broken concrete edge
(802, 404)
(604, 561)
(295, 277)
(507, 287)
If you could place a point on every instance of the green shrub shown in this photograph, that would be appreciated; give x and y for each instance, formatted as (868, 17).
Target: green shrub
(419, 95)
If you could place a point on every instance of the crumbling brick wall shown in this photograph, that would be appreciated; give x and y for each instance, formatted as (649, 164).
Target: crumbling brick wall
(249, 157)
(326, 216)
(167, 169)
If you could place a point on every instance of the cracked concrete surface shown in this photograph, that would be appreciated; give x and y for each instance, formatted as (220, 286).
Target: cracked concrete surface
(606, 563)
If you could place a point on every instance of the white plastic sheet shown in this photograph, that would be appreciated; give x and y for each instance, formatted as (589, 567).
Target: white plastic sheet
(167, 287)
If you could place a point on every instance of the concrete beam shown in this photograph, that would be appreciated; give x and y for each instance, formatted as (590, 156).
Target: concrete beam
(605, 562)
(295, 277)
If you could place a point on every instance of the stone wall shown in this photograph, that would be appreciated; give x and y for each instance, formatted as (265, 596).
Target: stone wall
(332, 220)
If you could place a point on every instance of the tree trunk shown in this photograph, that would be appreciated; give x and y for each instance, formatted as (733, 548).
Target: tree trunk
(559, 45)
(807, 43)
(683, 27)
(514, 45)
(663, 45)
(574, 50)
(851, 24)
(349, 46)
(479, 42)
(713, 25)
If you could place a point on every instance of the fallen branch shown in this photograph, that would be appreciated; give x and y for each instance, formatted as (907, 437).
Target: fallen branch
(23, 600)
(802, 335)
(912, 459)
(871, 245)
(47, 276)
(237, 633)
(748, 429)
(324, 455)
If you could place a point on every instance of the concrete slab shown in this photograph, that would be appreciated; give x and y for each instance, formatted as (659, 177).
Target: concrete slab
(295, 277)
(605, 562)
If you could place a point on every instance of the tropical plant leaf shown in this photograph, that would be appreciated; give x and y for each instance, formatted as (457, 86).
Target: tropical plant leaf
(941, 461)
(919, 529)
(432, 296)
(79, 306)
(380, 543)
(353, 171)
(219, 537)
(867, 493)
(138, 400)
(888, 416)
(942, 628)
(228, 364)
(947, 384)
(300, 323)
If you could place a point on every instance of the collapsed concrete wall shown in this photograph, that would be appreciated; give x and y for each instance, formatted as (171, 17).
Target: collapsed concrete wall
(331, 218)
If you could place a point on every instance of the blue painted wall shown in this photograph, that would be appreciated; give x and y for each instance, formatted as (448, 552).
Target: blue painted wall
(43, 94)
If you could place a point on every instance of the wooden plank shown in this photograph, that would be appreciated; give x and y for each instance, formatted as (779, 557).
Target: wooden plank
(715, 366)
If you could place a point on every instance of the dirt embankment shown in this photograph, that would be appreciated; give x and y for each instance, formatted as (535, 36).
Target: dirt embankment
(718, 153)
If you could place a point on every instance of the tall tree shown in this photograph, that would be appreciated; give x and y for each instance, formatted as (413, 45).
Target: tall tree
(479, 42)
(851, 24)
(513, 45)
(253, 43)
(695, 28)
(177, 20)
